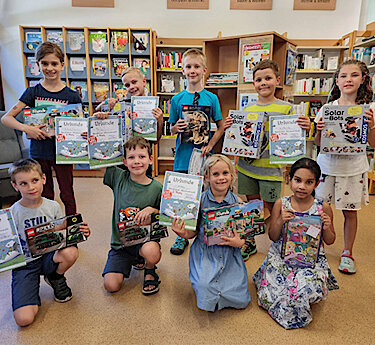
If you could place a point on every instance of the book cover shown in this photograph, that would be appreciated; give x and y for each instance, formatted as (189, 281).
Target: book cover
(119, 39)
(71, 147)
(291, 66)
(33, 39)
(245, 136)
(140, 41)
(80, 87)
(287, 140)
(120, 91)
(181, 197)
(54, 235)
(345, 131)
(33, 67)
(100, 91)
(75, 40)
(197, 118)
(143, 65)
(196, 162)
(143, 120)
(302, 238)
(221, 221)
(11, 254)
(167, 83)
(99, 66)
(119, 65)
(247, 99)
(251, 55)
(55, 36)
(122, 109)
(77, 64)
(315, 106)
(98, 41)
(105, 142)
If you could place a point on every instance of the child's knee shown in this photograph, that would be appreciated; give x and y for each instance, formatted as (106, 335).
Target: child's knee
(68, 255)
(25, 316)
(112, 283)
(151, 252)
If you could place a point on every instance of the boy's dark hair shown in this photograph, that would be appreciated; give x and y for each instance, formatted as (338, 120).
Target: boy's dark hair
(306, 163)
(49, 48)
(364, 92)
(133, 142)
(267, 64)
(24, 165)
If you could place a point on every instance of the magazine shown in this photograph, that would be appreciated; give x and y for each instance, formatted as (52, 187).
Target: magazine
(119, 39)
(100, 91)
(287, 140)
(105, 142)
(220, 221)
(181, 197)
(99, 66)
(120, 91)
(71, 147)
(75, 40)
(197, 118)
(144, 122)
(143, 65)
(77, 64)
(98, 41)
(11, 254)
(122, 109)
(33, 39)
(119, 65)
(196, 162)
(245, 136)
(32, 66)
(80, 87)
(291, 66)
(345, 131)
(302, 238)
(54, 235)
(251, 55)
(140, 41)
(54, 36)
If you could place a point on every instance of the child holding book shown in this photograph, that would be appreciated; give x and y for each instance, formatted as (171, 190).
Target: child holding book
(286, 291)
(136, 197)
(50, 91)
(257, 178)
(33, 209)
(217, 273)
(344, 178)
(194, 69)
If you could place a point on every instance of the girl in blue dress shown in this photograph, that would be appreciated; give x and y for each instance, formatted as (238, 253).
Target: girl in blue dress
(286, 291)
(217, 272)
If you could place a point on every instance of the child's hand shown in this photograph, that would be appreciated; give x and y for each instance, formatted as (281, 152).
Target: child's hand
(304, 122)
(369, 117)
(85, 229)
(101, 114)
(228, 122)
(111, 102)
(287, 215)
(326, 219)
(234, 241)
(206, 149)
(143, 217)
(178, 226)
(36, 132)
(320, 125)
(180, 126)
(158, 114)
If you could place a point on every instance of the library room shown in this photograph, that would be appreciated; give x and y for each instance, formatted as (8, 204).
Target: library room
(164, 165)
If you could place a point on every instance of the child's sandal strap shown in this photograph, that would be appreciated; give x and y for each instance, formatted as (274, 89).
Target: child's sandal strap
(155, 282)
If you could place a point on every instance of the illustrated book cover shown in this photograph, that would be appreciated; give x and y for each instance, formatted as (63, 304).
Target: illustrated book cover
(122, 109)
(119, 39)
(196, 162)
(143, 120)
(197, 118)
(98, 41)
(251, 55)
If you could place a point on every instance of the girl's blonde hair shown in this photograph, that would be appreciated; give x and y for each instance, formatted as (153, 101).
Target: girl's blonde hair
(211, 161)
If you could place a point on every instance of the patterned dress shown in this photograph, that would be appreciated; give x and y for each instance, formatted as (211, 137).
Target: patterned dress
(286, 292)
(217, 273)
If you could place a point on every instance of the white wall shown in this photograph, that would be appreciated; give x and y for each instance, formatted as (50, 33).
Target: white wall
(167, 23)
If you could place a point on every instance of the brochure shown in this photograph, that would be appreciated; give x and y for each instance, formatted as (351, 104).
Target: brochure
(251, 55)
(122, 109)
(105, 142)
(220, 221)
(11, 254)
(345, 131)
(33, 39)
(181, 197)
(144, 122)
(245, 136)
(302, 237)
(119, 39)
(287, 140)
(197, 118)
(75, 40)
(196, 162)
(54, 235)
(77, 64)
(71, 147)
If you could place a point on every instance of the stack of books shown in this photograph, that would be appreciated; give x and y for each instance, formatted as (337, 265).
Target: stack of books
(228, 78)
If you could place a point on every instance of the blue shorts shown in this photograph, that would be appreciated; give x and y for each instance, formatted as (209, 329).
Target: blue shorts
(121, 260)
(26, 281)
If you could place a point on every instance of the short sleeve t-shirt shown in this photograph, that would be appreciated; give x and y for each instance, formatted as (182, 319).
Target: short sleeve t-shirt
(184, 151)
(129, 198)
(38, 95)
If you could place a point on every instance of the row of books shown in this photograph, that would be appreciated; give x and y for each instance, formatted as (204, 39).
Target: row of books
(366, 55)
(309, 108)
(317, 63)
(228, 78)
(313, 86)
(171, 83)
(166, 106)
(170, 60)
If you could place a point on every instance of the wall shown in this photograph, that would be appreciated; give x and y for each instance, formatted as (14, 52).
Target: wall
(167, 23)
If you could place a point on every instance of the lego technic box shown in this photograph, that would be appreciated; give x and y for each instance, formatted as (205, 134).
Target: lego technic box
(197, 118)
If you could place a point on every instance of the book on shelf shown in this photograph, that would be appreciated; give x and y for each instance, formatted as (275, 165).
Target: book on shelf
(246, 218)
(372, 57)
(75, 40)
(119, 39)
(120, 65)
(181, 197)
(291, 65)
(11, 254)
(99, 66)
(251, 55)
(80, 87)
(105, 142)
(315, 86)
(143, 65)
(314, 106)
(56, 234)
(166, 106)
(309, 62)
(169, 60)
(302, 237)
(345, 131)
(77, 64)
(228, 78)
(33, 66)
(167, 83)
(54, 36)
(198, 124)
(196, 162)
(33, 39)
(98, 41)
(119, 90)
(101, 90)
(362, 54)
(332, 63)
(143, 120)
(71, 147)
(247, 99)
(132, 233)
(287, 139)
(245, 136)
(140, 41)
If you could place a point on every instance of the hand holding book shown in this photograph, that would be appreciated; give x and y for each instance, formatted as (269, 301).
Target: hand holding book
(234, 241)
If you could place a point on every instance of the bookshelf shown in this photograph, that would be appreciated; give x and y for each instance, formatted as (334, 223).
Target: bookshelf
(168, 81)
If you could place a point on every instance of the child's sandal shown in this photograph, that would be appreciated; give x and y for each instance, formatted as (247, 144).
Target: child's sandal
(139, 264)
(155, 282)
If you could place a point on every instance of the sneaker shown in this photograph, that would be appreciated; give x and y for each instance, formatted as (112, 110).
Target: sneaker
(61, 290)
(178, 247)
(347, 262)
(248, 249)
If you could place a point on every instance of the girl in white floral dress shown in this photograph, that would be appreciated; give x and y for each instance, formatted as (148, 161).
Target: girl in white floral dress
(286, 291)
